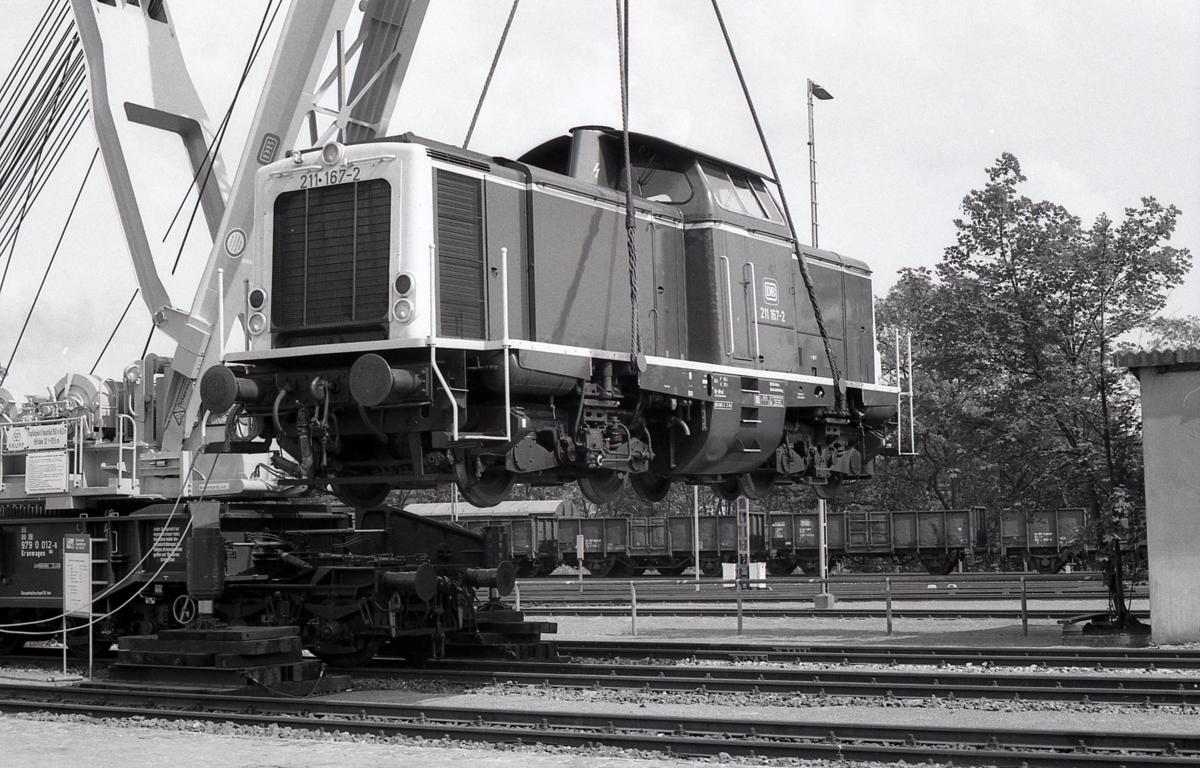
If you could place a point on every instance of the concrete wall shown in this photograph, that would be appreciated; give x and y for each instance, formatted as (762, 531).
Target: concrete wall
(1171, 434)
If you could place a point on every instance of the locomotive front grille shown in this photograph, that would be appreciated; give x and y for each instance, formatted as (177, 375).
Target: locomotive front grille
(330, 269)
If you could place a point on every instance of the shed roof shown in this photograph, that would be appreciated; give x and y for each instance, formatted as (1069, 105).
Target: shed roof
(1157, 358)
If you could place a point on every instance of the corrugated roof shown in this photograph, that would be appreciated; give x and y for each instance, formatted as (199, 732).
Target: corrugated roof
(1153, 358)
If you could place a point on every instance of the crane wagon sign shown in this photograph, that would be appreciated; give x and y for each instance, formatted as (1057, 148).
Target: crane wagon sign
(46, 456)
(77, 574)
(35, 437)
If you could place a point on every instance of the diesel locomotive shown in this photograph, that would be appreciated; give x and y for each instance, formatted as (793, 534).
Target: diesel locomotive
(419, 314)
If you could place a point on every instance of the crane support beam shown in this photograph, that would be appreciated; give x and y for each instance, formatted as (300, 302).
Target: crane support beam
(162, 80)
(389, 33)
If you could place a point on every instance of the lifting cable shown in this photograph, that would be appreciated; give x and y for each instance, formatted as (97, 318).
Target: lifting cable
(487, 84)
(113, 335)
(635, 331)
(838, 401)
(49, 266)
(42, 107)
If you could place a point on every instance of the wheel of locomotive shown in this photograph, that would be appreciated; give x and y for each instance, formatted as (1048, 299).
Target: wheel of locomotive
(601, 486)
(526, 569)
(671, 570)
(830, 489)
(361, 495)
(487, 490)
(637, 572)
(780, 566)
(755, 485)
(546, 569)
(728, 489)
(649, 486)
(710, 567)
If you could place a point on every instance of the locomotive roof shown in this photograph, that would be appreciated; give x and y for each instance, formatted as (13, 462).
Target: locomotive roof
(558, 143)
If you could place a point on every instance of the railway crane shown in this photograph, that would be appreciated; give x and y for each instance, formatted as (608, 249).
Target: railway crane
(417, 314)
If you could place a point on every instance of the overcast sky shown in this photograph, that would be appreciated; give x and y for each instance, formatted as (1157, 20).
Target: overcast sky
(1100, 101)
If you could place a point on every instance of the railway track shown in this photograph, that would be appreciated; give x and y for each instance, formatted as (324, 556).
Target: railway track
(889, 655)
(678, 736)
(1069, 686)
(750, 610)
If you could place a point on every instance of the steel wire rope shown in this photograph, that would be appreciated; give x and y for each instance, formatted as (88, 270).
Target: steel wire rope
(27, 120)
(487, 83)
(30, 86)
(49, 265)
(40, 117)
(214, 144)
(33, 192)
(11, 79)
(635, 329)
(45, 117)
(116, 328)
(838, 402)
(28, 199)
(53, 148)
(59, 151)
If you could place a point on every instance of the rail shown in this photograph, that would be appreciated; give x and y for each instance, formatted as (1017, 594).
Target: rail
(1022, 599)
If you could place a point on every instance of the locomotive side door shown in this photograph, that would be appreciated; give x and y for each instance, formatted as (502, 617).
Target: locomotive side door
(735, 288)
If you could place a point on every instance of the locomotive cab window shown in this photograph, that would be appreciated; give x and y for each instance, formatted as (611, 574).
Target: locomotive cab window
(737, 192)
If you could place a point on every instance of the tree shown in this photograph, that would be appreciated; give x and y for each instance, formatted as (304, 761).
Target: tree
(1172, 333)
(1018, 403)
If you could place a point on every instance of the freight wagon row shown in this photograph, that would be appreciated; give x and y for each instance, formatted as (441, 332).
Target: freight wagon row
(545, 535)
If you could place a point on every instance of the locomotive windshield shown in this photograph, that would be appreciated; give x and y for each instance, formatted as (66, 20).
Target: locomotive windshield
(739, 193)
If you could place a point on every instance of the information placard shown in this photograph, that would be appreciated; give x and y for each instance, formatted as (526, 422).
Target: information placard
(46, 472)
(77, 575)
(35, 437)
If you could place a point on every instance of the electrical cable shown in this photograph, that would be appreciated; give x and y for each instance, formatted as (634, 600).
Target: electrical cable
(487, 83)
(838, 401)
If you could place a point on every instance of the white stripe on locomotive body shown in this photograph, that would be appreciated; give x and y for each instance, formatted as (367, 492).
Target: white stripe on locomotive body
(541, 346)
(409, 170)
(642, 214)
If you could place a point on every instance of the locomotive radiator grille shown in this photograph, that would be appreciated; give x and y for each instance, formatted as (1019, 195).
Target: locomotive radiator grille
(330, 270)
(460, 255)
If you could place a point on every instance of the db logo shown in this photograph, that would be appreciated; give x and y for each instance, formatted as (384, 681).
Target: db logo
(770, 291)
